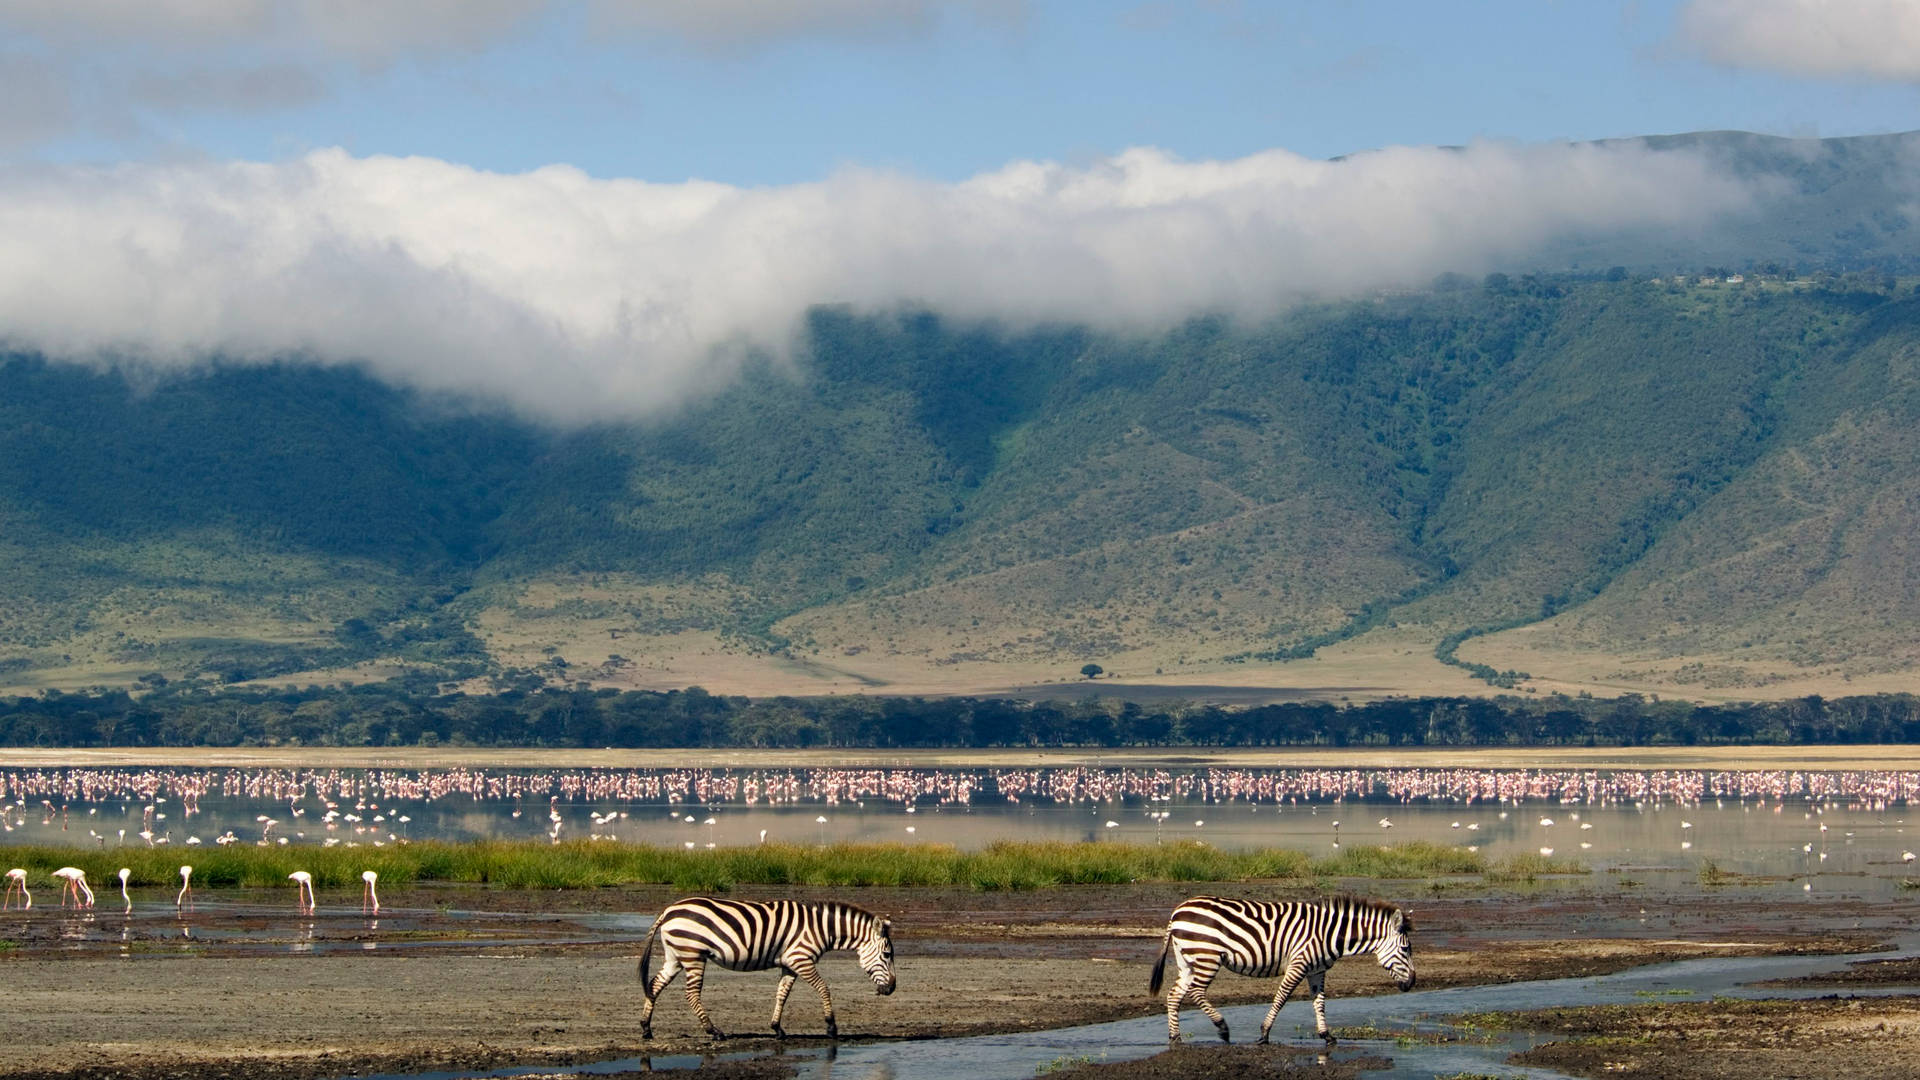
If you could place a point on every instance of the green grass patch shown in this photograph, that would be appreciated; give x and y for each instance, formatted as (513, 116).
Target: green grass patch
(1527, 867)
(583, 864)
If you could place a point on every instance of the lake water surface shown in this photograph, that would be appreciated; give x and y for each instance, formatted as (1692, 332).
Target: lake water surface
(1830, 829)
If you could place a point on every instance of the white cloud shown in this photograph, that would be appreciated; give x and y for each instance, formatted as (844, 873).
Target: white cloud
(752, 22)
(1871, 39)
(572, 297)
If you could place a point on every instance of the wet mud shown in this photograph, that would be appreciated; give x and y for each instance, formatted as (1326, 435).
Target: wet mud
(1875, 1038)
(472, 979)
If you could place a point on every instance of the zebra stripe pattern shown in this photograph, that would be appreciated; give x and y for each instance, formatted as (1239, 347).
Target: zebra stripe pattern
(1298, 940)
(746, 935)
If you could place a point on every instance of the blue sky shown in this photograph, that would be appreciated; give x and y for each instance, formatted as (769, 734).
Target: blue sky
(943, 90)
(587, 208)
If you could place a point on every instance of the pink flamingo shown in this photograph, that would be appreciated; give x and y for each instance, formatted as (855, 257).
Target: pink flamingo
(186, 888)
(76, 880)
(17, 882)
(304, 881)
(368, 896)
(124, 875)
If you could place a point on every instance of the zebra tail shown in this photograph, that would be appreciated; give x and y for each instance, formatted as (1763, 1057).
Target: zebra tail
(1160, 964)
(646, 961)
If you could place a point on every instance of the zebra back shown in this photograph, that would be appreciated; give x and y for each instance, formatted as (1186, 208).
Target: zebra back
(750, 935)
(1260, 936)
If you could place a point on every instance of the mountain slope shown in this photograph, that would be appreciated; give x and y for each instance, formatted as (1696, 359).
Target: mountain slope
(1656, 484)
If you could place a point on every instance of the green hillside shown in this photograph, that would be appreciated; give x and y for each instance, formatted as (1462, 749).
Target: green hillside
(1642, 482)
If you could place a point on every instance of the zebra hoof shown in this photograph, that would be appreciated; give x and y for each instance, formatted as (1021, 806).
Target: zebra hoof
(716, 1034)
(1328, 1035)
(1262, 1040)
(833, 1030)
(646, 1033)
(779, 1032)
(1223, 1034)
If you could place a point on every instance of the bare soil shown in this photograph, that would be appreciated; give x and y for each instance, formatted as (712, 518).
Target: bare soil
(468, 978)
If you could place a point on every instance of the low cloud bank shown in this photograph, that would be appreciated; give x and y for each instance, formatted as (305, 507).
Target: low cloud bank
(573, 298)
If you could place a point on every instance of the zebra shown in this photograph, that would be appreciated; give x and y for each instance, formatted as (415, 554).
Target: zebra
(1297, 940)
(747, 935)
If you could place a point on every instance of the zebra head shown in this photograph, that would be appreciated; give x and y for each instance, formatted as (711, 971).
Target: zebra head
(1395, 950)
(876, 955)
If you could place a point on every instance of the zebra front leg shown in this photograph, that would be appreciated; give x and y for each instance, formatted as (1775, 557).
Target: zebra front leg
(696, 973)
(780, 1000)
(1288, 981)
(1317, 982)
(804, 968)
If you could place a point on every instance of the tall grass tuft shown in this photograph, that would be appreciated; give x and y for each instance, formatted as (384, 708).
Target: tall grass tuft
(582, 864)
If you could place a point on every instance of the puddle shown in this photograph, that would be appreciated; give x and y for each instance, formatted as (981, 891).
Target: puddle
(257, 928)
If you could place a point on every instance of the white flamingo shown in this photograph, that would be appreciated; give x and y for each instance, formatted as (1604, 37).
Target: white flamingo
(304, 882)
(76, 880)
(17, 882)
(367, 895)
(185, 895)
(126, 873)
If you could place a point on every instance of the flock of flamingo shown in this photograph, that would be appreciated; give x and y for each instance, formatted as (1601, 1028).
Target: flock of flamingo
(334, 806)
(75, 889)
(23, 788)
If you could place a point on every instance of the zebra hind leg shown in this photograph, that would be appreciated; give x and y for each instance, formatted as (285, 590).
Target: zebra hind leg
(696, 973)
(780, 1000)
(652, 990)
(1195, 976)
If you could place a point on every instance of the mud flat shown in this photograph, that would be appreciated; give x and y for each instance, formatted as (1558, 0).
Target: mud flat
(1861, 1038)
(460, 979)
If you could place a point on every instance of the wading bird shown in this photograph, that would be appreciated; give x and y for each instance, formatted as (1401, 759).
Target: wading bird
(369, 899)
(304, 882)
(185, 895)
(76, 880)
(126, 873)
(17, 882)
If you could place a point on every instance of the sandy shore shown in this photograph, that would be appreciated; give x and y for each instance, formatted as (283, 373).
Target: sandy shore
(466, 978)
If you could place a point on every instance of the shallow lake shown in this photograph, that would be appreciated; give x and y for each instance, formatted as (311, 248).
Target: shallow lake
(1831, 830)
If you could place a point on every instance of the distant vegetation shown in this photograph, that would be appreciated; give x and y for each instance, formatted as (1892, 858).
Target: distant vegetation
(579, 864)
(393, 716)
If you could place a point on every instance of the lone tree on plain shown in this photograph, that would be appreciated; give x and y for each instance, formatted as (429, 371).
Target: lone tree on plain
(1092, 671)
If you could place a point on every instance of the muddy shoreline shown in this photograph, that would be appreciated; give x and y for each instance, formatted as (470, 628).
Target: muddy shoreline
(473, 978)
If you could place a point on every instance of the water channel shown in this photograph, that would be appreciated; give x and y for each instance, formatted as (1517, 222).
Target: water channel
(1019, 1056)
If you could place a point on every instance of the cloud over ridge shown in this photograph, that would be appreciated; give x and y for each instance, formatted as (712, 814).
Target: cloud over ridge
(575, 298)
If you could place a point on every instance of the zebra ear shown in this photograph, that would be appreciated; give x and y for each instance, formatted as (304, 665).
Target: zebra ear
(886, 926)
(1406, 922)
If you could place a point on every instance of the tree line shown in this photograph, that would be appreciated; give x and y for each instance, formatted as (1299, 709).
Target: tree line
(394, 715)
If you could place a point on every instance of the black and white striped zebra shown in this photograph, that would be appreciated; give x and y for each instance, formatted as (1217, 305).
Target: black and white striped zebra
(747, 935)
(1295, 940)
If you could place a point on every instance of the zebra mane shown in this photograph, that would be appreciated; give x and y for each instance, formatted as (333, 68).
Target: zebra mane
(878, 925)
(1369, 904)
